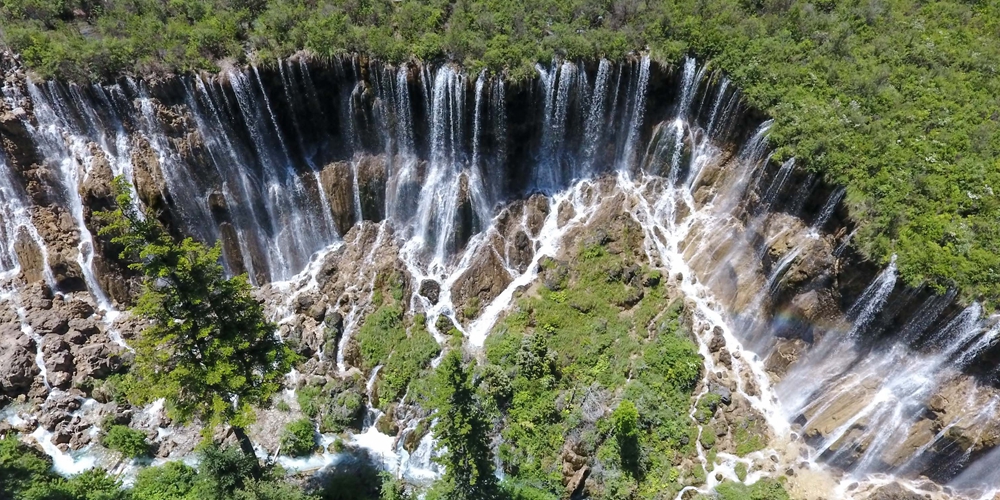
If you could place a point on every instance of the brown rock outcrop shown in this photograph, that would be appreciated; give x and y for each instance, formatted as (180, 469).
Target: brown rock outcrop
(337, 180)
(485, 278)
(17, 361)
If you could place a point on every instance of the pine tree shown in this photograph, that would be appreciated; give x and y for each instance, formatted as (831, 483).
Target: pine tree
(463, 435)
(208, 349)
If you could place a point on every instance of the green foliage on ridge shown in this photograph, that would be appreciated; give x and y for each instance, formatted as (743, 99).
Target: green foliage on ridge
(384, 339)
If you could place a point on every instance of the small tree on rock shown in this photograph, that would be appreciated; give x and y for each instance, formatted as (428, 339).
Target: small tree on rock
(208, 349)
(625, 422)
(463, 434)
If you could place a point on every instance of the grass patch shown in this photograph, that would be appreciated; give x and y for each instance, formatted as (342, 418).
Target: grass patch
(765, 489)
(410, 356)
(747, 438)
(741, 471)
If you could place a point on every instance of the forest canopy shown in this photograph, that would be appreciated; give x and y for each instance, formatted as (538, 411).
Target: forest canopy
(897, 100)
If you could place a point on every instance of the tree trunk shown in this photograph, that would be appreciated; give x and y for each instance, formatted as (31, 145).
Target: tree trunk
(247, 447)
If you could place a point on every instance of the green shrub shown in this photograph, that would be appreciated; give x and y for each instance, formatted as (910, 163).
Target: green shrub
(223, 471)
(625, 425)
(311, 399)
(707, 437)
(392, 488)
(170, 481)
(408, 358)
(765, 489)
(263, 489)
(129, 442)
(747, 438)
(299, 438)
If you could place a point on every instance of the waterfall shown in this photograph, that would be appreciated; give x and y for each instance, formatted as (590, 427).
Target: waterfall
(635, 116)
(596, 115)
(828, 208)
(276, 163)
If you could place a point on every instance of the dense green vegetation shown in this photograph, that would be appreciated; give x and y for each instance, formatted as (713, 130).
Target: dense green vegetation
(765, 489)
(599, 363)
(208, 349)
(222, 474)
(337, 406)
(129, 442)
(463, 436)
(898, 100)
(385, 340)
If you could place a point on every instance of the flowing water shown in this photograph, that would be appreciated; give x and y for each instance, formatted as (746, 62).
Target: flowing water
(279, 164)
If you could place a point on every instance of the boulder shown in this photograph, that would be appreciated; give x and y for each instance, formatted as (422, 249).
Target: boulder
(718, 341)
(520, 252)
(577, 485)
(66, 270)
(430, 289)
(566, 212)
(17, 361)
(537, 209)
(784, 354)
(85, 327)
(147, 174)
(17, 138)
(894, 491)
(317, 312)
(97, 361)
(466, 222)
(48, 321)
(97, 186)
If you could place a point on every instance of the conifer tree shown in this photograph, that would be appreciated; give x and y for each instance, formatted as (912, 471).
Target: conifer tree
(463, 435)
(208, 349)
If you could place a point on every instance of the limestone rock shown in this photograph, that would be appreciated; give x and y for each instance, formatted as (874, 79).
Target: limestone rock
(894, 491)
(485, 278)
(17, 361)
(97, 360)
(372, 176)
(537, 209)
(577, 484)
(29, 255)
(784, 354)
(16, 137)
(337, 181)
(431, 289)
(147, 175)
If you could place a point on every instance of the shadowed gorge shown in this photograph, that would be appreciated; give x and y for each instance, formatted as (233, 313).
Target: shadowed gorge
(604, 234)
